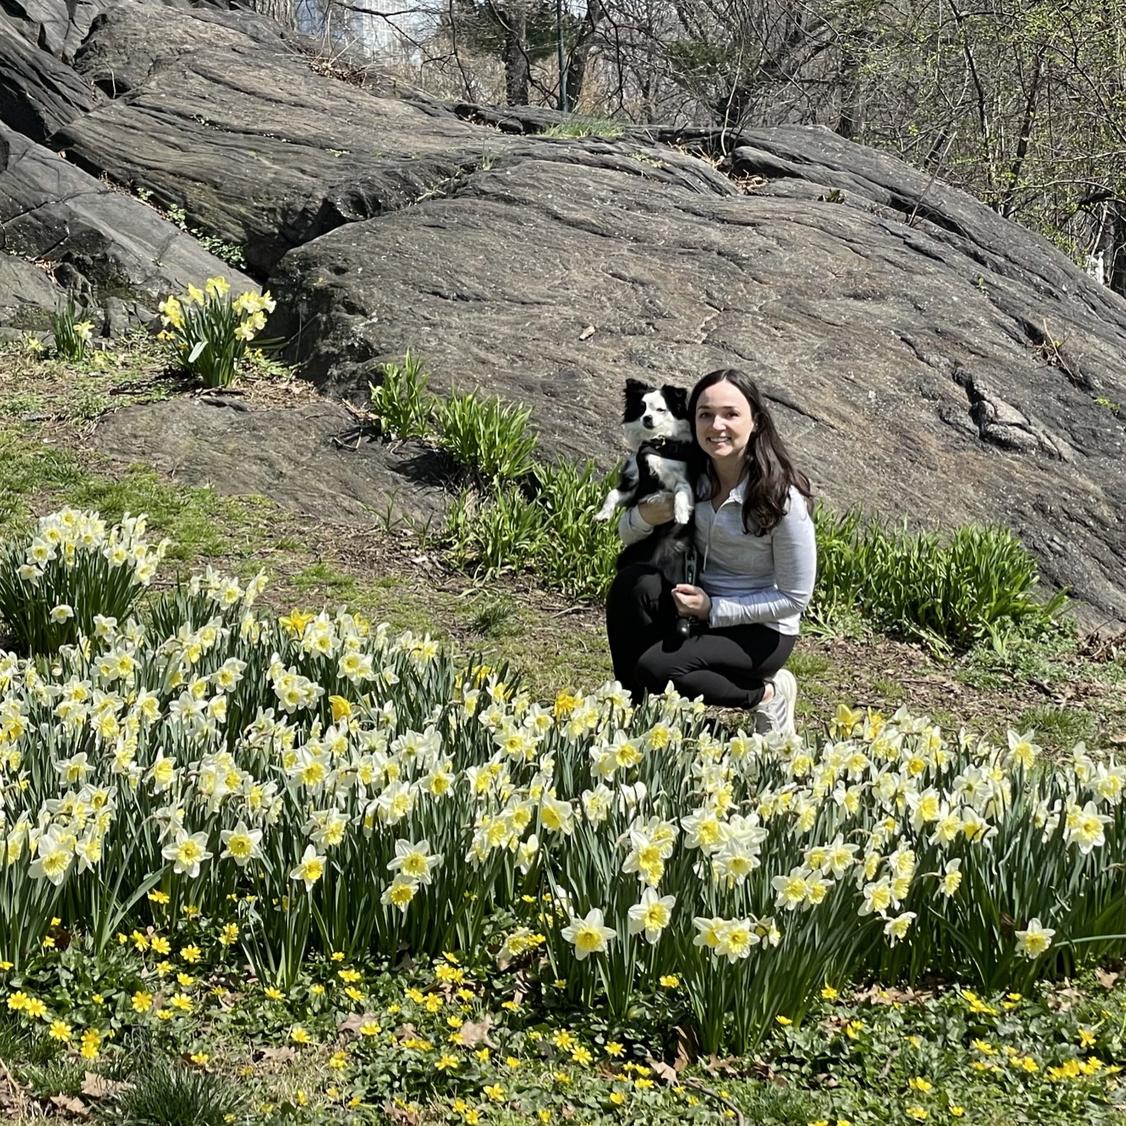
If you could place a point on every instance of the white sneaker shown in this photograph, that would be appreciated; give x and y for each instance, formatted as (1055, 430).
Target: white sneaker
(776, 716)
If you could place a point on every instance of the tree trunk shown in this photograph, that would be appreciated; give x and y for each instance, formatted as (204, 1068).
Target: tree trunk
(850, 122)
(516, 73)
(576, 67)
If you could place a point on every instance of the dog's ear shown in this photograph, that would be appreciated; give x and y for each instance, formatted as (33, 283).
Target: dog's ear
(635, 390)
(677, 400)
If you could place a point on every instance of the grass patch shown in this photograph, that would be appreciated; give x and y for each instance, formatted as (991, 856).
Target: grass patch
(323, 580)
(890, 690)
(1059, 725)
(808, 665)
(494, 616)
(58, 1077)
(28, 468)
(586, 127)
(164, 1093)
(198, 520)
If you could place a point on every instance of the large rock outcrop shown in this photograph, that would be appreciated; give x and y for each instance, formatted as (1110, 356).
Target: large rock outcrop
(259, 147)
(946, 367)
(106, 248)
(926, 358)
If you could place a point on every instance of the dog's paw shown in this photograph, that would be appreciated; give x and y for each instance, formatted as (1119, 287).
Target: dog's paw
(681, 509)
(605, 512)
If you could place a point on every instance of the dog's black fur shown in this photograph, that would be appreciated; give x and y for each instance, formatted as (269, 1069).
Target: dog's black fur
(658, 429)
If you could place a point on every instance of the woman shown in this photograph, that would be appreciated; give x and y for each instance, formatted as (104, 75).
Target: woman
(757, 560)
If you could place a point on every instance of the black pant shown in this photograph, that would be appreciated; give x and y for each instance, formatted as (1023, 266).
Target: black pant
(725, 666)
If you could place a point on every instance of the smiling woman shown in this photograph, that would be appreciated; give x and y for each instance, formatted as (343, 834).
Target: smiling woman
(757, 556)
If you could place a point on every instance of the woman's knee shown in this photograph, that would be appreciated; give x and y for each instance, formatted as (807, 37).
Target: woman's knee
(654, 670)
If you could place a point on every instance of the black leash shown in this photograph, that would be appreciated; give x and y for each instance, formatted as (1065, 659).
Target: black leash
(683, 624)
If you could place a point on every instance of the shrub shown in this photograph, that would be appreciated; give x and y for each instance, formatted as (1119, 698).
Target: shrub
(209, 331)
(979, 583)
(401, 403)
(72, 336)
(495, 533)
(70, 572)
(551, 533)
(487, 437)
(577, 554)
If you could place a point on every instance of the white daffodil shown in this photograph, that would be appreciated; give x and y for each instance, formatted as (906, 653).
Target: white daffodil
(414, 861)
(589, 935)
(310, 868)
(651, 915)
(1035, 939)
(241, 844)
(187, 852)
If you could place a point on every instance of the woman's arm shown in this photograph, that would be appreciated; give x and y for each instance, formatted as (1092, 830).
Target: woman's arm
(795, 567)
(636, 523)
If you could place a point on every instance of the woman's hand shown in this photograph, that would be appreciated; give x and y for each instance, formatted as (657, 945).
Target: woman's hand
(657, 509)
(691, 601)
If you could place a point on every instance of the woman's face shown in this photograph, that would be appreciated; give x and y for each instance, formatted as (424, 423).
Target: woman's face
(724, 423)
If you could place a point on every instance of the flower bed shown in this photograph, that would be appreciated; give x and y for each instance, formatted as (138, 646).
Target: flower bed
(326, 787)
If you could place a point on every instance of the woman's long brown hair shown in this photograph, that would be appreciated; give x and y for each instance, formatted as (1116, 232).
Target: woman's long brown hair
(769, 470)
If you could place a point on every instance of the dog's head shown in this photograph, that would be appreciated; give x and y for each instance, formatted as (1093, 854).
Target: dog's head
(655, 412)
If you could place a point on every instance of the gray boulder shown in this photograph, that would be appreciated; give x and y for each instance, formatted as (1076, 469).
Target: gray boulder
(60, 27)
(126, 42)
(101, 243)
(259, 148)
(925, 359)
(28, 296)
(38, 94)
(56, 27)
(286, 453)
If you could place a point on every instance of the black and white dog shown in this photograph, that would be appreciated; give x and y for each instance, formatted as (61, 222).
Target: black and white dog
(659, 433)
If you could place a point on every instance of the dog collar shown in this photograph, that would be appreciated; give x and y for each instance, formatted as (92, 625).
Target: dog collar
(668, 447)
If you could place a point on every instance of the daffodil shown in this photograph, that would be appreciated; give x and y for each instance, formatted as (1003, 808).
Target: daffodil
(1034, 939)
(651, 915)
(310, 868)
(413, 861)
(187, 853)
(589, 935)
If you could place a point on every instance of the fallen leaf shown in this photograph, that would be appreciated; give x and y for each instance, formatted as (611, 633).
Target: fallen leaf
(662, 1070)
(71, 1105)
(587, 332)
(719, 1066)
(1106, 978)
(399, 1114)
(353, 1022)
(473, 1034)
(686, 1048)
(98, 1086)
(277, 1055)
